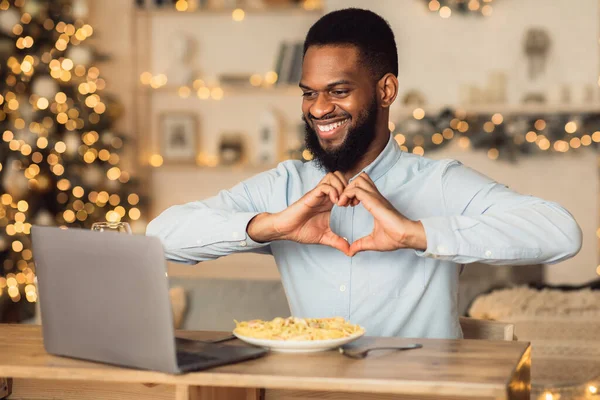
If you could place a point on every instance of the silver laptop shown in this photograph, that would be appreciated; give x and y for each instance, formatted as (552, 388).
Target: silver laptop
(104, 296)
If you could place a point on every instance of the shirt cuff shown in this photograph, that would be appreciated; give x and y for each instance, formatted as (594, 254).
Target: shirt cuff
(441, 239)
(239, 223)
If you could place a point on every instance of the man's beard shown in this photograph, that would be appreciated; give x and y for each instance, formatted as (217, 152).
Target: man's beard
(347, 155)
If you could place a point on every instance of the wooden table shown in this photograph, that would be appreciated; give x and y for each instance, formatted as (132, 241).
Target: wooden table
(442, 369)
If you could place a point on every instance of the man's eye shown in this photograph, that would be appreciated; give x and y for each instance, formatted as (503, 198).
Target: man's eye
(339, 92)
(308, 94)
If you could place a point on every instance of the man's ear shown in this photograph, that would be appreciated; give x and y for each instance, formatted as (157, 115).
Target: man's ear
(387, 89)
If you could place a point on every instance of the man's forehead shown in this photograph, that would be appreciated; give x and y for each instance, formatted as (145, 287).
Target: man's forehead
(342, 55)
(324, 65)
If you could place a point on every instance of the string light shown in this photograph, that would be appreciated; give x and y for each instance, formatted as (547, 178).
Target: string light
(493, 154)
(203, 93)
(445, 8)
(133, 199)
(238, 15)
(216, 93)
(418, 113)
(256, 80)
(437, 138)
(184, 92)
(445, 12)
(570, 127)
(307, 155)
(271, 77)
(156, 160)
(146, 78)
(310, 5)
(181, 5)
(434, 5)
(418, 150)
(489, 127)
(497, 119)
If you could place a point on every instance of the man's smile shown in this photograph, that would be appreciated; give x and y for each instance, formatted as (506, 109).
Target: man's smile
(330, 129)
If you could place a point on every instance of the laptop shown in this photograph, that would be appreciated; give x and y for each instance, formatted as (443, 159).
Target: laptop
(104, 296)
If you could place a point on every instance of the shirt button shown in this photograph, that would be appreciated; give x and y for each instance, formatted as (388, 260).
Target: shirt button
(343, 288)
(346, 239)
(243, 243)
(488, 253)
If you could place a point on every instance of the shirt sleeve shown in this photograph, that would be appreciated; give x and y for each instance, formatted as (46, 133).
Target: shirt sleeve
(484, 221)
(215, 227)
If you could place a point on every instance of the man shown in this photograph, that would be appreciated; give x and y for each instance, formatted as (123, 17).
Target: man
(366, 231)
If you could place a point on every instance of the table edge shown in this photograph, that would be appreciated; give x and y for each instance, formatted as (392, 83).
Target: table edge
(259, 381)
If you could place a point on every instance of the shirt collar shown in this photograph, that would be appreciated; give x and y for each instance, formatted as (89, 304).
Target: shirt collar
(388, 157)
(384, 161)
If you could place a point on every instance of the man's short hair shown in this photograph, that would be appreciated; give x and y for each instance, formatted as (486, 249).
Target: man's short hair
(370, 33)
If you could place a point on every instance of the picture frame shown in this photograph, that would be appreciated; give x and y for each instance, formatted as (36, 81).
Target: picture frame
(179, 141)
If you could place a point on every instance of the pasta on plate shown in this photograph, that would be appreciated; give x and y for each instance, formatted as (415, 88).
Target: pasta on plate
(300, 329)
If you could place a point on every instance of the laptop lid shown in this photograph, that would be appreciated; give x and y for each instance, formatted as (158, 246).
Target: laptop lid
(104, 297)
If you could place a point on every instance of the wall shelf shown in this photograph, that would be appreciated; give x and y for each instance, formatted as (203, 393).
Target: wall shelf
(286, 9)
(510, 109)
(231, 90)
(504, 109)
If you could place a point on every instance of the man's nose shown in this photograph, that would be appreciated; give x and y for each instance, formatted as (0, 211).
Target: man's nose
(321, 107)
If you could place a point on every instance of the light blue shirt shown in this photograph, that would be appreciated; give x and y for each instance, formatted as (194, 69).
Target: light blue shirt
(467, 218)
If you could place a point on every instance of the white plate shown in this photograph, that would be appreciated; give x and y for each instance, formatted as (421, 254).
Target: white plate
(300, 346)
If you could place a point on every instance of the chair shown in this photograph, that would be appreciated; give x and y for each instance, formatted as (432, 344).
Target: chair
(487, 330)
(178, 301)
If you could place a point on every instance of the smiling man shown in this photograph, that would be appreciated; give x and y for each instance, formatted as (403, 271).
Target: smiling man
(366, 231)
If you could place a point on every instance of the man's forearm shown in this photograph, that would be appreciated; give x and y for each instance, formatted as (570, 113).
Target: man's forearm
(416, 238)
(261, 228)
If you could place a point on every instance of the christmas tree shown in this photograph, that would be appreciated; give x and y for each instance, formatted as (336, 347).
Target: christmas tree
(59, 156)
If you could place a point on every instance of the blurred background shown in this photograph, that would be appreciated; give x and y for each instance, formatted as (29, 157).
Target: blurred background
(114, 110)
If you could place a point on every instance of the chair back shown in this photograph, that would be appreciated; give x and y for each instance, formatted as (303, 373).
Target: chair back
(487, 330)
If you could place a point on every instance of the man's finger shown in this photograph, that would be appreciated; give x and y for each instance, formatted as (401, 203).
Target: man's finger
(362, 244)
(322, 190)
(341, 178)
(354, 193)
(333, 240)
(368, 178)
(331, 191)
(335, 181)
(363, 181)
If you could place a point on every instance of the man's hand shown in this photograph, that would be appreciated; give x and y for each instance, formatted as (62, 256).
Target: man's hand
(307, 220)
(391, 230)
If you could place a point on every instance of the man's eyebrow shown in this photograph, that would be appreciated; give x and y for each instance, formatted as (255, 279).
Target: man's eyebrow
(329, 86)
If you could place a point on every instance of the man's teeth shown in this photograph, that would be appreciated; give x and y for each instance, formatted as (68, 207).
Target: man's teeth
(327, 128)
